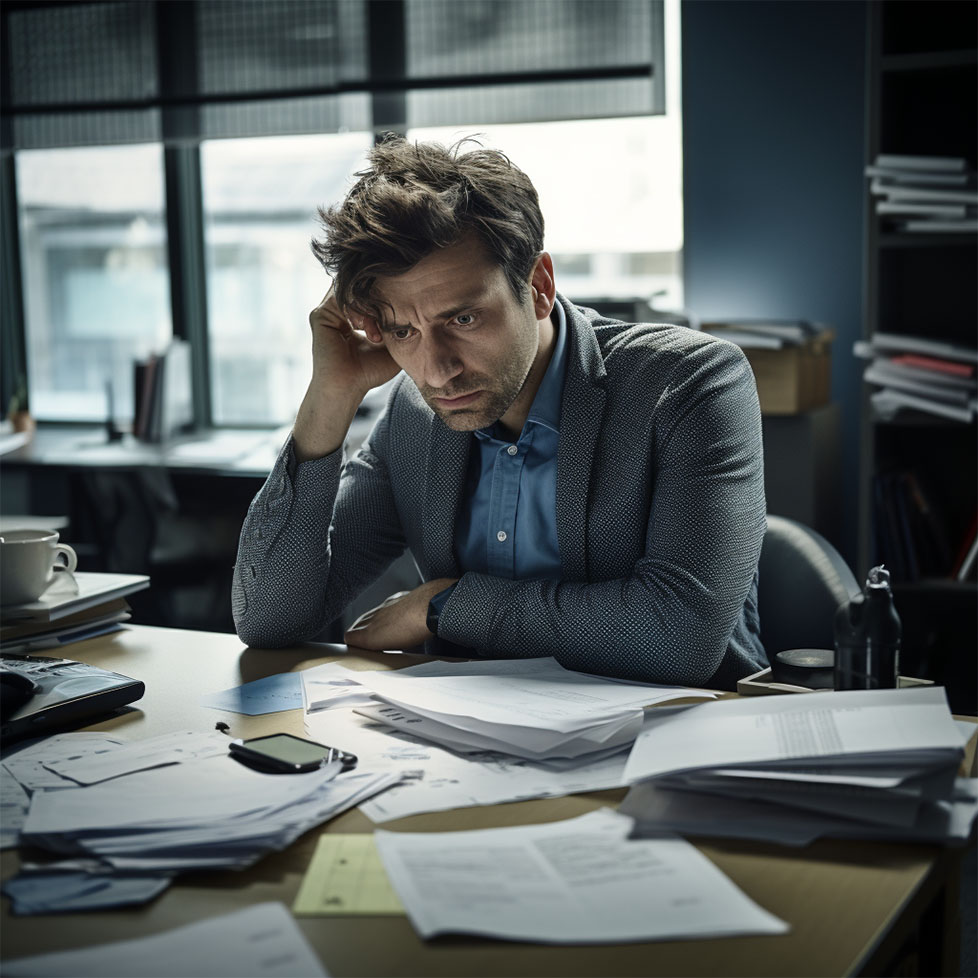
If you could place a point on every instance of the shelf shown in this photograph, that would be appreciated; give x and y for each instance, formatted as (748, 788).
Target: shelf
(929, 60)
(937, 585)
(912, 418)
(914, 239)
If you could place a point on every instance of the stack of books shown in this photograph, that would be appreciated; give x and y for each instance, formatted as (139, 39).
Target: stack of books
(925, 375)
(162, 393)
(925, 193)
(77, 606)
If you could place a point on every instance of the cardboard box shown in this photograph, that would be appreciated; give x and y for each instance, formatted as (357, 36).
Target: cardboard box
(794, 378)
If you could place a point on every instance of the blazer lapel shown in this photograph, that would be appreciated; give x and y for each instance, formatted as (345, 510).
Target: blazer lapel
(581, 417)
(448, 455)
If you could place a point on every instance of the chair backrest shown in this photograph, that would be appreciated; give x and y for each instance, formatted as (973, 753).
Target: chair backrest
(802, 580)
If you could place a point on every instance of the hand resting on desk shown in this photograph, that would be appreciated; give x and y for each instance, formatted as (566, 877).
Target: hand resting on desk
(398, 622)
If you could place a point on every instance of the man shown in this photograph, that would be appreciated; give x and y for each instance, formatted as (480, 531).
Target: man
(567, 485)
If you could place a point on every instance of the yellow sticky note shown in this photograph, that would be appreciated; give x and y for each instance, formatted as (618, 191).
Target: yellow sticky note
(346, 878)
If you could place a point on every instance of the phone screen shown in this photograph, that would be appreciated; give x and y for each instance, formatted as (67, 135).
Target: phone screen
(292, 750)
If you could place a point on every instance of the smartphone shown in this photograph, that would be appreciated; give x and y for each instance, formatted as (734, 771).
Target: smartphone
(284, 754)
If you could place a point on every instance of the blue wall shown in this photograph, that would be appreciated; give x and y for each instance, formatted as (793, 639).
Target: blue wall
(773, 143)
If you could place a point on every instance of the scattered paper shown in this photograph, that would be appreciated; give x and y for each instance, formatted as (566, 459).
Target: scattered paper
(332, 685)
(433, 779)
(86, 767)
(53, 891)
(262, 941)
(14, 802)
(273, 694)
(345, 878)
(29, 764)
(572, 882)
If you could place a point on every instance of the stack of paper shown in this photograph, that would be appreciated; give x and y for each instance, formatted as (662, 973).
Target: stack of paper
(857, 764)
(530, 708)
(162, 806)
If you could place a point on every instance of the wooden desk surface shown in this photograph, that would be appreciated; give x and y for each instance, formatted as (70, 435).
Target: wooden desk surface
(849, 904)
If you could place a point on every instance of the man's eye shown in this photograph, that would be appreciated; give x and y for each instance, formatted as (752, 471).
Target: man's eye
(465, 319)
(401, 334)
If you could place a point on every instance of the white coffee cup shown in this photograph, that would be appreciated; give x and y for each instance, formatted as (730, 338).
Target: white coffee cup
(29, 561)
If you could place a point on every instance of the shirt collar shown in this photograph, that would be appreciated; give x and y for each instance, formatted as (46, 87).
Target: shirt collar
(545, 409)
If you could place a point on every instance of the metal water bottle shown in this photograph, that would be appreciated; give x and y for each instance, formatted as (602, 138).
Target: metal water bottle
(867, 637)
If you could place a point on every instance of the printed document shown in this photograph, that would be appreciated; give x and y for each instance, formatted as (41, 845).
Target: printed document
(572, 882)
(856, 724)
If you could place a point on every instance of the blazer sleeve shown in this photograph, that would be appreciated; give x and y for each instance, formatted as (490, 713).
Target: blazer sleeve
(317, 533)
(671, 619)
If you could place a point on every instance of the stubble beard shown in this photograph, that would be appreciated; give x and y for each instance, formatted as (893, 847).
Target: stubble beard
(498, 395)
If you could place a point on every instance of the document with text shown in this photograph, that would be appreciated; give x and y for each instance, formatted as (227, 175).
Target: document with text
(579, 881)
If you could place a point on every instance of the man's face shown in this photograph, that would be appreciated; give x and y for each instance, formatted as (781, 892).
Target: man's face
(453, 325)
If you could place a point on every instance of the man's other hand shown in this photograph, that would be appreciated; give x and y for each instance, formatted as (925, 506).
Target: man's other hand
(399, 622)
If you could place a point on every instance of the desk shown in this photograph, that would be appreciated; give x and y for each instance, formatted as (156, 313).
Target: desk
(851, 906)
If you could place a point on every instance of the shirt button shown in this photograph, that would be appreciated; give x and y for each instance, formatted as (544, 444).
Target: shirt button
(512, 450)
(501, 536)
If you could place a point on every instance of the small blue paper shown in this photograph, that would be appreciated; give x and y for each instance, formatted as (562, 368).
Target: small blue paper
(273, 694)
(67, 891)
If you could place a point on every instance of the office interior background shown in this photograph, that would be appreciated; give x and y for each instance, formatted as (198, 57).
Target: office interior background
(162, 163)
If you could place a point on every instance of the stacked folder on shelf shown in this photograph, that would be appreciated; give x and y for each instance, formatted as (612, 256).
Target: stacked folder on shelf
(867, 764)
(925, 194)
(914, 372)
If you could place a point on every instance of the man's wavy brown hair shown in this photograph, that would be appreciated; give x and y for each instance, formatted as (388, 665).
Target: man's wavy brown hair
(416, 198)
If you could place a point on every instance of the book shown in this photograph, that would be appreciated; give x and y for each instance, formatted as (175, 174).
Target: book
(969, 561)
(887, 403)
(919, 344)
(28, 627)
(918, 178)
(930, 378)
(953, 195)
(933, 164)
(948, 367)
(965, 560)
(879, 372)
(99, 620)
(915, 208)
(72, 593)
(936, 225)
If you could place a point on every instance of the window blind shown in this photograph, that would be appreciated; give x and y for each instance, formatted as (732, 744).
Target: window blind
(117, 71)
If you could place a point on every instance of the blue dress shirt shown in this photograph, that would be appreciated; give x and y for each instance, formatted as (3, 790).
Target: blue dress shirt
(509, 526)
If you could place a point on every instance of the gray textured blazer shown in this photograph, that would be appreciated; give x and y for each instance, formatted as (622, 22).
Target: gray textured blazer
(660, 518)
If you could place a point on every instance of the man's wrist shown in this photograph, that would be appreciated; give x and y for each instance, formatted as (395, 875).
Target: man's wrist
(435, 606)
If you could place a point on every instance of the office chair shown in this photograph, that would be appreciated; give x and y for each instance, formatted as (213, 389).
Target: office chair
(802, 580)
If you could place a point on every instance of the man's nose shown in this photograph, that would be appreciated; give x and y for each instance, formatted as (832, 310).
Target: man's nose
(442, 362)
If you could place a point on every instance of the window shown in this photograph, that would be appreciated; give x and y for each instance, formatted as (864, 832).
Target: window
(260, 198)
(96, 285)
(610, 190)
(266, 108)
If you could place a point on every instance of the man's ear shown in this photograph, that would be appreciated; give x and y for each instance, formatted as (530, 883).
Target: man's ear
(543, 290)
